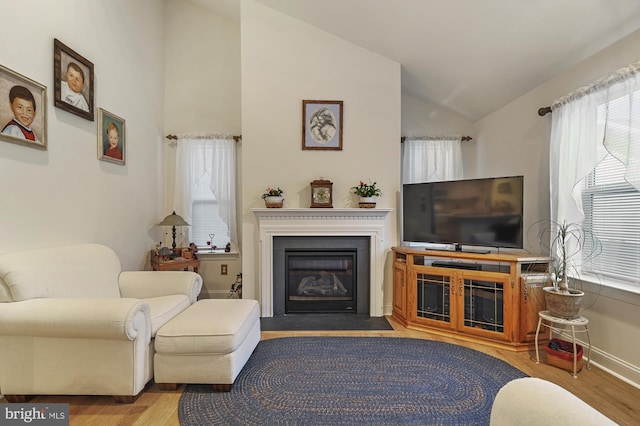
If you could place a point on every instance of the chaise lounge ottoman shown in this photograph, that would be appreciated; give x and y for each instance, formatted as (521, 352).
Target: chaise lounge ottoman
(209, 342)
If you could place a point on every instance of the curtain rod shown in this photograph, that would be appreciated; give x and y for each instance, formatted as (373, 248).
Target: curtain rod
(601, 83)
(236, 138)
(463, 138)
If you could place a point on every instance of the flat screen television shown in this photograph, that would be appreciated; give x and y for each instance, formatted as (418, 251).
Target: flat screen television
(476, 212)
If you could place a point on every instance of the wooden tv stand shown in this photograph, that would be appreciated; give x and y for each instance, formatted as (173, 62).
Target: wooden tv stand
(487, 298)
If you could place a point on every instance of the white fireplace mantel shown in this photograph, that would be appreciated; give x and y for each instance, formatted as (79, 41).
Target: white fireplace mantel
(322, 222)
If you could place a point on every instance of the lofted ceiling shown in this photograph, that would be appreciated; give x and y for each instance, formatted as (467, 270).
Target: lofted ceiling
(470, 56)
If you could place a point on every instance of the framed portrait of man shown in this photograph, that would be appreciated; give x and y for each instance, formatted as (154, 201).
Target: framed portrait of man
(23, 110)
(73, 77)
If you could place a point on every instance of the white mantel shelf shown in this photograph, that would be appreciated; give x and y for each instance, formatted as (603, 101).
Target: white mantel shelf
(322, 222)
(302, 213)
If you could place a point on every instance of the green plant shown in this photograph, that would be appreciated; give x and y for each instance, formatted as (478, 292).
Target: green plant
(273, 193)
(366, 190)
(568, 245)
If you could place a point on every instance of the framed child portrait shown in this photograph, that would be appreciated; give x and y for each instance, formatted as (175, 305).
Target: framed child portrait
(23, 110)
(73, 81)
(111, 137)
(322, 125)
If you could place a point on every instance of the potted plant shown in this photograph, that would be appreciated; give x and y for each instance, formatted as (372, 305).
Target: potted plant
(273, 198)
(367, 194)
(562, 297)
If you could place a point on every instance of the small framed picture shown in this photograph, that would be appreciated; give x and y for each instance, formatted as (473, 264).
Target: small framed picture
(111, 137)
(322, 125)
(73, 81)
(23, 110)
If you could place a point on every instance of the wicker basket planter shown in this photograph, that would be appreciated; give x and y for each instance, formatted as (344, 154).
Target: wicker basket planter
(563, 357)
(273, 202)
(367, 202)
(563, 305)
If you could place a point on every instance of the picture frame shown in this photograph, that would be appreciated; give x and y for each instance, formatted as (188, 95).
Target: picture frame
(322, 125)
(111, 126)
(18, 94)
(73, 79)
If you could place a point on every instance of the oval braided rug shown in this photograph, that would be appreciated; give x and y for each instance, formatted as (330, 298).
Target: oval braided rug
(354, 380)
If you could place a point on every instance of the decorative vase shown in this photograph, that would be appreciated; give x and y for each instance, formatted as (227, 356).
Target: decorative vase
(367, 202)
(563, 305)
(274, 201)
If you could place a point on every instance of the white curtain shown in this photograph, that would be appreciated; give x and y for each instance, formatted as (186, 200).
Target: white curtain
(431, 159)
(601, 118)
(195, 157)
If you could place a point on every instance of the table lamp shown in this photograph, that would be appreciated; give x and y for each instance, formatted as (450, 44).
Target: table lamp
(173, 220)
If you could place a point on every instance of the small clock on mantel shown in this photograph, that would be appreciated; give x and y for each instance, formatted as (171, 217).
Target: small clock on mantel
(322, 193)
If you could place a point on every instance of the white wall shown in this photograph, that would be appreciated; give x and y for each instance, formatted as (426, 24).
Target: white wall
(515, 140)
(422, 117)
(285, 61)
(65, 195)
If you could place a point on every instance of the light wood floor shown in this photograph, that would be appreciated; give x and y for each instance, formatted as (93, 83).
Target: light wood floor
(613, 397)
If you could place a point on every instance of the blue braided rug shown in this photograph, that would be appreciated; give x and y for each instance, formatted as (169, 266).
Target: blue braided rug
(354, 380)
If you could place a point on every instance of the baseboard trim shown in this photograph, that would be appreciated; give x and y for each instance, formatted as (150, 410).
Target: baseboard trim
(613, 365)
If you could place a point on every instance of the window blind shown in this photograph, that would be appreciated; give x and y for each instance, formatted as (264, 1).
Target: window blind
(612, 215)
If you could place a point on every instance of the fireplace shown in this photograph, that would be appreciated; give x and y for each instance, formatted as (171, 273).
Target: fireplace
(309, 224)
(320, 281)
(321, 274)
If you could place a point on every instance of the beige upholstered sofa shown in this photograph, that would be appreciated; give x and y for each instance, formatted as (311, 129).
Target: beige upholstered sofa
(530, 401)
(73, 323)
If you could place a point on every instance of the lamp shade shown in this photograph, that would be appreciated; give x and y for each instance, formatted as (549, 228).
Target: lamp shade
(173, 220)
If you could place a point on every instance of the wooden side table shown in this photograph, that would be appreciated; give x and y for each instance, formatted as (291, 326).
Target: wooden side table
(179, 263)
(553, 323)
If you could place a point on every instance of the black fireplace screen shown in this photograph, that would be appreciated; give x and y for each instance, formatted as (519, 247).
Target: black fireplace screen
(320, 280)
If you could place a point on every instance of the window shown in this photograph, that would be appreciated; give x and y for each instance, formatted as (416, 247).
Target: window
(611, 205)
(206, 165)
(595, 175)
(431, 158)
(206, 219)
(612, 215)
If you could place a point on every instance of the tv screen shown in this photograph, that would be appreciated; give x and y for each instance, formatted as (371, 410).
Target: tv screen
(478, 212)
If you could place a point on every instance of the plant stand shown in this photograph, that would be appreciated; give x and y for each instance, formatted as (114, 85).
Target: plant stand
(553, 323)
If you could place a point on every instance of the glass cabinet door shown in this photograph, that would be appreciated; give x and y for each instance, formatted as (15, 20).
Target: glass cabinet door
(483, 305)
(433, 297)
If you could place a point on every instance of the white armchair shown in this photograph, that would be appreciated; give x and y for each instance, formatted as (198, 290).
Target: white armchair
(73, 323)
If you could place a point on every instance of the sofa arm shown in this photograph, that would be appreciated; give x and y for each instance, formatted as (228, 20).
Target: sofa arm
(117, 319)
(145, 284)
(531, 401)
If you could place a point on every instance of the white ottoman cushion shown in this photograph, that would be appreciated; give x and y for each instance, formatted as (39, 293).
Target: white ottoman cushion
(213, 326)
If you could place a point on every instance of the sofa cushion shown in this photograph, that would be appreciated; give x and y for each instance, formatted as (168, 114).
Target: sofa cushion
(74, 271)
(164, 308)
(213, 326)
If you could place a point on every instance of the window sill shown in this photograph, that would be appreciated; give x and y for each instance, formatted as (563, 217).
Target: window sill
(218, 254)
(611, 288)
